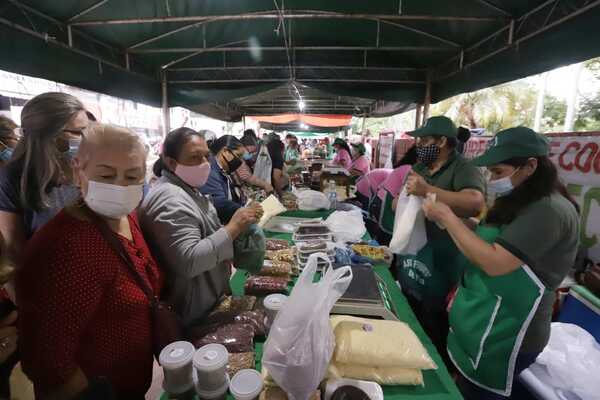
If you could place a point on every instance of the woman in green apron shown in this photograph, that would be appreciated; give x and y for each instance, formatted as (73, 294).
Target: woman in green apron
(427, 278)
(500, 315)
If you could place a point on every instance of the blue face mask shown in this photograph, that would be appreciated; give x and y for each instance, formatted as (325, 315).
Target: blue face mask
(501, 187)
(6, 154)
(247, 156)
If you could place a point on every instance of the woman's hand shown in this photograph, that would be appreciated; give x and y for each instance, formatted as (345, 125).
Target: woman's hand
(416, 185)
(257, 208)
(8, 336)
(242, 219)
(268, 188)
(436, 211)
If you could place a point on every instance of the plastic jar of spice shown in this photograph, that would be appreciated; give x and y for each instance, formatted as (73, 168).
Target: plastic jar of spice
(176, 361)
(210, 363)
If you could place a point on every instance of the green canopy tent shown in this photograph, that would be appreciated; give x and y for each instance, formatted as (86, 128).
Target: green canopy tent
(228, 59)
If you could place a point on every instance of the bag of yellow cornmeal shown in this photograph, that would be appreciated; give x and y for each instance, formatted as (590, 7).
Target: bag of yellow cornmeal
(378, 343)
(381, 375)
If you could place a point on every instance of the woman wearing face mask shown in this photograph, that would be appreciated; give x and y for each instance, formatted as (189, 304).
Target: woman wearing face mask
(37, 182)
(226, 194)
(82, 313)
(8, 139)
(291, 157)
(244, 173)
(342, 154)
(427, 277)
(183, 228)
(500, 315)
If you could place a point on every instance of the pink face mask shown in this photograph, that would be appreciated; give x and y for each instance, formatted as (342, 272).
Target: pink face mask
(195, 175)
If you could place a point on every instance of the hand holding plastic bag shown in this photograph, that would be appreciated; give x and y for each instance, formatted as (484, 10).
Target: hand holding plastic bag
(409, 225)
(301, 341)
(249, 249)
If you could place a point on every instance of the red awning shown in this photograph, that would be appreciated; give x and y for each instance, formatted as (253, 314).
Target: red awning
(322, 120)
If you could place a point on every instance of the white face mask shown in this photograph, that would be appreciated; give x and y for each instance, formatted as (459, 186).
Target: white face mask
(503, 186)
(113, 201)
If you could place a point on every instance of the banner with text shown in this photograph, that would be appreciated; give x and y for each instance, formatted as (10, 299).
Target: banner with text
(577, 157)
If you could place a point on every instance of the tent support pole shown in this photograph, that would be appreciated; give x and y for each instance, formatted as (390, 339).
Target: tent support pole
(427, 97)
(165, 106)
(418, 115)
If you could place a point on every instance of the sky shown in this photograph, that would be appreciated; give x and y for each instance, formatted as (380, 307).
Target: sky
(560, 82)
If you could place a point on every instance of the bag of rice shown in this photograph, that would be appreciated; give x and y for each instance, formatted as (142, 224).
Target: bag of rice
(381, 375)
(378, 343)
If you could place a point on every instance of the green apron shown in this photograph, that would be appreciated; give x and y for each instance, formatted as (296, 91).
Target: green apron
(488, 320)
(387, 215)
(429, 275)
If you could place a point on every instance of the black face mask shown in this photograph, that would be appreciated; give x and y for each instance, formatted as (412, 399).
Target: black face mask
(233, 164)
(428, 154)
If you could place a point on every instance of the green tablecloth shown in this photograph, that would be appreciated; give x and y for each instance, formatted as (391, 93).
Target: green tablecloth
(438, 383)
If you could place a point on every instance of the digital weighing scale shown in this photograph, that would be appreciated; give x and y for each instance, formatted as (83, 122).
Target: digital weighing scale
(367, 295)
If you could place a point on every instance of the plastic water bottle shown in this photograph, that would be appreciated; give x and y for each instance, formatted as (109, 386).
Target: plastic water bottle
(332, 195)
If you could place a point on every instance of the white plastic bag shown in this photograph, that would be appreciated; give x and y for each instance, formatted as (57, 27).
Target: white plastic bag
(300, 343)
(347, 226)
(263, 165)
(409, 225)
(572, 357)
(311, 200)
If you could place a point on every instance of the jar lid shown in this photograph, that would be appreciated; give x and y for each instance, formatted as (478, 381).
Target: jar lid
(211, 357)
(275, 301)
(246, 384)
(176, 354)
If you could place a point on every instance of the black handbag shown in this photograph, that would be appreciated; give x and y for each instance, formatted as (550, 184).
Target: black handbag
(166, 325)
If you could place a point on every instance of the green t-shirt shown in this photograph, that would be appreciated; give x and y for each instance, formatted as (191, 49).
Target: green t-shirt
(456, 175)
(545, 236)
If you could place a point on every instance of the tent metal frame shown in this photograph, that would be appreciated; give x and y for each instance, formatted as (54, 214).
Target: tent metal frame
(515, 31)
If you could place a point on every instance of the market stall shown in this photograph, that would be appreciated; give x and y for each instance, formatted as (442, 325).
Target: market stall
(437, 383)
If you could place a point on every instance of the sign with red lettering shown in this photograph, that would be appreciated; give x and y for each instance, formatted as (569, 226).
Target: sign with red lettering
(577, 158)
(475, 146)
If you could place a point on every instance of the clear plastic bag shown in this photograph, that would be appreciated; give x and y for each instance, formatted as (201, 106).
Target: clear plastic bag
(409, 226)
(300, 343)
(237, 338)
(572, 357)
(264, 285)
(277, 244)
(347, 226)
(263, 165)
(311, 200)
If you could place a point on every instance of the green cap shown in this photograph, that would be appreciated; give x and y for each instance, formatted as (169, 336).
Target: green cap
(436, 126)
(339, 141)
(360, 147)
(513, 143)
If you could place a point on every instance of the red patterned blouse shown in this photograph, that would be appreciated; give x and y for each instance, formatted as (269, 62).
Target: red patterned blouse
(80, 307)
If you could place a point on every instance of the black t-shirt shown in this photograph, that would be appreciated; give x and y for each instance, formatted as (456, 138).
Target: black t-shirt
(275, 148)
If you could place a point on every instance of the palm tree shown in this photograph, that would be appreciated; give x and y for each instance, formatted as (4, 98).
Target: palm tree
(494, 108)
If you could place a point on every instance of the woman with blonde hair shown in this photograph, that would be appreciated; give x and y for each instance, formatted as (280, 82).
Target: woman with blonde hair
(38, 182)
(85, 318)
